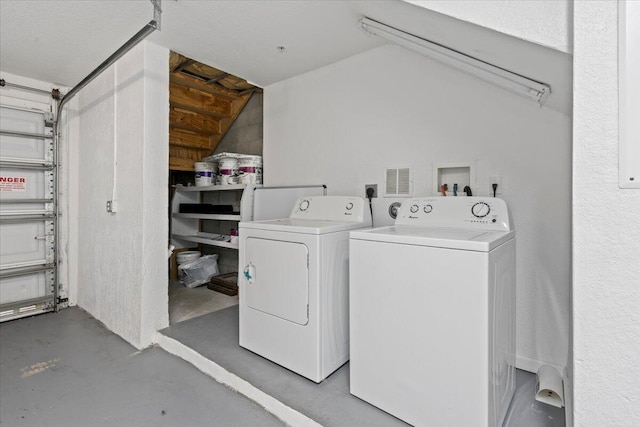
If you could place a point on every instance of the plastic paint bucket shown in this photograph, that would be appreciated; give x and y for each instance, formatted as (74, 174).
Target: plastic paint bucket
(185, 258)
(205, 173)
(248, 169)
(228, 171)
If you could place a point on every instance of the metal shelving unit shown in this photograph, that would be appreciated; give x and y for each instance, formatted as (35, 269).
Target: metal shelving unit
(210, 229)
(211, 239)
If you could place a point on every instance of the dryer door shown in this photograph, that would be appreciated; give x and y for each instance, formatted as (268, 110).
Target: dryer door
(280, 278)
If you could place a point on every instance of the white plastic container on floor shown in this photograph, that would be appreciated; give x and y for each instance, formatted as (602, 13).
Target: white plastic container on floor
(183, 258)
(187, 256)
(200, 271)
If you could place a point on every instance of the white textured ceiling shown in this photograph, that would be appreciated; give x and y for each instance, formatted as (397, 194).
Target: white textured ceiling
(61, 41)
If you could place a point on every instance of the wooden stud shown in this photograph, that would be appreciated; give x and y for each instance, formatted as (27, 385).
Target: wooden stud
(180, 118)
(181, 66)
(195, 98)
(215, 89)
(186, 138)
(220, 76)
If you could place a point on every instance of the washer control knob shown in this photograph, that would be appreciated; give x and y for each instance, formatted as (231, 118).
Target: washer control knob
(428, 208)
(480, 209)
(304, 205)
(349, 206)
(414, 208)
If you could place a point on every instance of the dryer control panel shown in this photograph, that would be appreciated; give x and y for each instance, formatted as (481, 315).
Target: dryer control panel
(484, 213)
(332, 208)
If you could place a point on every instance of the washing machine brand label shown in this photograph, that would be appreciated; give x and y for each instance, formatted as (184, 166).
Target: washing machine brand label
(13, 183)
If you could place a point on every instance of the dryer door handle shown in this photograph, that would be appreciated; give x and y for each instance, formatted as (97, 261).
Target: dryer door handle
(249, 273)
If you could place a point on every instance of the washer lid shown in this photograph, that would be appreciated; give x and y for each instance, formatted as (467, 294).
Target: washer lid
(450, 238)
(304, 226)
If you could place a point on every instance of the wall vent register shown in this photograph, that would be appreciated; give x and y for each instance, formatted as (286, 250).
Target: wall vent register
(397, 182)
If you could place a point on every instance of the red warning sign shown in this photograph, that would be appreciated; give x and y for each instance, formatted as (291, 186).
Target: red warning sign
(13, 183)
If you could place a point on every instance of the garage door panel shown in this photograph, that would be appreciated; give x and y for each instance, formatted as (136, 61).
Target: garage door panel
(14, 289)
(28, 148)
(26, 208)
(25, 244)
(24, 184)
(28, 199)
(27, 122)
(19, 120)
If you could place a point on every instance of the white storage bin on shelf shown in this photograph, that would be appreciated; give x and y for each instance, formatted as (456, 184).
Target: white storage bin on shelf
(237, 168)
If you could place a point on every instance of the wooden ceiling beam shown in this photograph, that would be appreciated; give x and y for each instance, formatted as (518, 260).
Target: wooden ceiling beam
(192, 82)
(212, 83)
(188, 139)
(181, 66)
(216, 78)
(185, 119)
(199, 99)
(201, 111)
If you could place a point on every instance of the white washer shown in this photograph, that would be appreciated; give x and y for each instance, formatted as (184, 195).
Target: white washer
(432, 312)
(294, 307)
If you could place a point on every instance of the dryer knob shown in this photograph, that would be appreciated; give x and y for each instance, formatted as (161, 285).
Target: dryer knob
(414, 208)
(349, 206)
(393, 209)
(428, 209)
(304, 205)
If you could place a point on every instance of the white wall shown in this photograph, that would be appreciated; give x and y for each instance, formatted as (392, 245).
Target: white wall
(343, 124)
(545, 22)
(122, 257)
(606, 230)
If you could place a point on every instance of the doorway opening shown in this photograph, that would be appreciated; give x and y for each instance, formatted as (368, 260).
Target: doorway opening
(210, 112)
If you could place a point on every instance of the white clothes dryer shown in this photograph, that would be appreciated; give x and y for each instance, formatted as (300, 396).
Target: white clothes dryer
(432, 312)
(294, 307)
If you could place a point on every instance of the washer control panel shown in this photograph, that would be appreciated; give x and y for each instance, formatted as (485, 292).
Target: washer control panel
(461, 212)
(480, 209)
(332, 208)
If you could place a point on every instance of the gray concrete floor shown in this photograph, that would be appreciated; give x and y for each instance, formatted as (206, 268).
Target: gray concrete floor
(187, 303)
(215, 336)
(67, 369)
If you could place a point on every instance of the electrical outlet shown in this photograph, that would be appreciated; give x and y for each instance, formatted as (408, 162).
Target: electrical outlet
(495, 179)
(375, 190)
(112, 206)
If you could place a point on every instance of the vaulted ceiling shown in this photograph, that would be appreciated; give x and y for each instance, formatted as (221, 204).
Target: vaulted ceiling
(61, 41)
